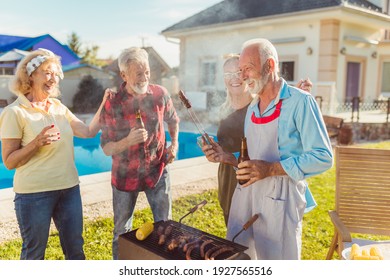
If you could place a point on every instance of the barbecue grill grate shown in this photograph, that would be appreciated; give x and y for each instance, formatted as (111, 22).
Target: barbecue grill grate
(178, 229)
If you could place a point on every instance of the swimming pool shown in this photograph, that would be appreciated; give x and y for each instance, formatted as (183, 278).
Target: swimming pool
(90, 159)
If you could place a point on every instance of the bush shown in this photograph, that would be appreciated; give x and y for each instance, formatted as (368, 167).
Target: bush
(89, 96)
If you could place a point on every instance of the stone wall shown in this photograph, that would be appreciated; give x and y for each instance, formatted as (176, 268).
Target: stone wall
(362, 132)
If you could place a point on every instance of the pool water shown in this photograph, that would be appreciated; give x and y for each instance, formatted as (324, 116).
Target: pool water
(90, 159)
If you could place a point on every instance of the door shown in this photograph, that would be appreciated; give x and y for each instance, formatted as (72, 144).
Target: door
(353, 81)
(352, 91)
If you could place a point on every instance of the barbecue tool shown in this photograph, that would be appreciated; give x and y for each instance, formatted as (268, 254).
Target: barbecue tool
(194, 118)
(247, 225)
(198, 206)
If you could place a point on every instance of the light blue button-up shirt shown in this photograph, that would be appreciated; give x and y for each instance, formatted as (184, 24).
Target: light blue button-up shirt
(304, 146)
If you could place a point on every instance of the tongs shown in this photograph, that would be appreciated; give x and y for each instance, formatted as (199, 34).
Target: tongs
(194, 118)
(198, 206)
(247, 225)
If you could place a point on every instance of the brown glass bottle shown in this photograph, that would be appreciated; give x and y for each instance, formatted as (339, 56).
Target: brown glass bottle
(243, 157)
(140, 123)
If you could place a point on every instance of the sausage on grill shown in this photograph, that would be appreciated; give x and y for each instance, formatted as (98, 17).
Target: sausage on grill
(189, 250)
(212, 250)
(220, 251)
(203, 246)
(187, 245)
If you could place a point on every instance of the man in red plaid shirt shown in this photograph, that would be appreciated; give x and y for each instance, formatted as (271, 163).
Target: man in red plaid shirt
(139, 155)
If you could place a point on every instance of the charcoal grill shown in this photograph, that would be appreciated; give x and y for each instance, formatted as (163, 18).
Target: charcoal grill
(130, 248)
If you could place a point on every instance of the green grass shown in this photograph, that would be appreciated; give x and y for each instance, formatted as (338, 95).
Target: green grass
(316, 237)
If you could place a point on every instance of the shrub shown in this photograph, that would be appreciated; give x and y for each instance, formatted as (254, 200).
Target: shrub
(89, 95)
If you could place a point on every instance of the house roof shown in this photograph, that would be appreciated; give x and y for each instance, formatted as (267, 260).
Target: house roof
(113, 66)
(152, 52)
(8, 42)
(9, 39)
(13, 55)
(235, 10)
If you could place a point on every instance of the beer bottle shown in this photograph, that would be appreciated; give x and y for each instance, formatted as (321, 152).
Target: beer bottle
(140, 123)
(243, 157)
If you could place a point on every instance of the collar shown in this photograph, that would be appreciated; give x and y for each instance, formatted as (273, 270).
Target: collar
(24, 102)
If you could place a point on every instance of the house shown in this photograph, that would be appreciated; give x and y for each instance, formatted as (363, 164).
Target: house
(9, 60)
(159, 69)
(14, 48)
(342, 45)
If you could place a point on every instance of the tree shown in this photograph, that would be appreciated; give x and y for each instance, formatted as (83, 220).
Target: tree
(88, 54)
(74, 43)
(88, 96)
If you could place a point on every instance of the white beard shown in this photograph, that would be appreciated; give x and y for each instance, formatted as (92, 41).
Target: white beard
(258, 84)
(140, 88)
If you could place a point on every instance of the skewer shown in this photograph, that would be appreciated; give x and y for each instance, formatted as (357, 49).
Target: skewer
(194, 118)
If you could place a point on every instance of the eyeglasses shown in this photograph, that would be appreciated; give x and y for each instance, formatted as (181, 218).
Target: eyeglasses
(230, 75)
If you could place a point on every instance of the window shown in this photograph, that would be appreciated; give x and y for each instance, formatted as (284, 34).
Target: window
(6, 71)
(208, 73)
(386, 78)
(287, 70)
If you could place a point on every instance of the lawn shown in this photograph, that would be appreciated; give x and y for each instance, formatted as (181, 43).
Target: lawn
(317, 227)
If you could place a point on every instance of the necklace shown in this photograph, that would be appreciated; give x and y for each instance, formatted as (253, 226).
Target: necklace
(43, 105)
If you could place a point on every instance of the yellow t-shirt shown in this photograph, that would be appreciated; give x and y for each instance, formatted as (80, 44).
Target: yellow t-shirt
(52, 167)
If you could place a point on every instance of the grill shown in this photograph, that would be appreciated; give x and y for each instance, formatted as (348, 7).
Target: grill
(130, 248)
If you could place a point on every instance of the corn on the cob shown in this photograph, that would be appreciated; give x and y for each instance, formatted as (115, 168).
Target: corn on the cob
(144, 231)
(355, 251)
(374, 251)
(365, 252)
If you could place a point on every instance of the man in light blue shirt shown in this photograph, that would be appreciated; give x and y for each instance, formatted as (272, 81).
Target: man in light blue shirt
(303, 143)
(287, 143)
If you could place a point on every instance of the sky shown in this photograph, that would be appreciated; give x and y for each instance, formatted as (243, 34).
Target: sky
(113, 25)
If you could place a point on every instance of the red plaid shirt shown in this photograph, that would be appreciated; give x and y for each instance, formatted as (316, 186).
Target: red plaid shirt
(141, 165)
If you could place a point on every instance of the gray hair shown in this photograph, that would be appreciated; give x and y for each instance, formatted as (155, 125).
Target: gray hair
(266, 50)
(131, 55)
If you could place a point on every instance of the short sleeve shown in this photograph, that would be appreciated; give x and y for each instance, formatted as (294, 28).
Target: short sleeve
(10, 124)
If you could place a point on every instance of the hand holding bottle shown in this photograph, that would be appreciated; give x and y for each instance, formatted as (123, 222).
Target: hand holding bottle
(137, 136)
(255, 170)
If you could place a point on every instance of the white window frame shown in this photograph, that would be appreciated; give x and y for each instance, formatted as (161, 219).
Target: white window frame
(383, 94)
(208, 72)
(385, 78)
(292, 58)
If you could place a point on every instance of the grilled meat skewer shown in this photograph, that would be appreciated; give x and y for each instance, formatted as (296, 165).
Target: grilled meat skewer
(165, 235)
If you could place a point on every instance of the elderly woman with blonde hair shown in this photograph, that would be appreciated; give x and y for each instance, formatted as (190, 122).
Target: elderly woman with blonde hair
(37, 140)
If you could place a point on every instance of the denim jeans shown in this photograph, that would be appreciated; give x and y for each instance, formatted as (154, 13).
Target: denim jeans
(34, 212)
(160, 201)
